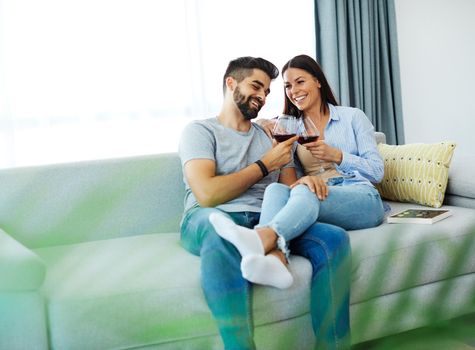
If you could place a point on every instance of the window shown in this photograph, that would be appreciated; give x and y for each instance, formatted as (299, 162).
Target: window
(96, 79)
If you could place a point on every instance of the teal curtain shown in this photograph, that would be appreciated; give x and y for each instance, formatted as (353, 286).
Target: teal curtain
(357, 48)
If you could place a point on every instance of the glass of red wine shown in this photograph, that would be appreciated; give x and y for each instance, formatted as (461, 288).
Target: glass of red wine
(285, 127)
(308, 132)
(288, 126)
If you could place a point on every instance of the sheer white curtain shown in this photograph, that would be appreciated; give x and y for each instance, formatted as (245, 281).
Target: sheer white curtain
(88, 79)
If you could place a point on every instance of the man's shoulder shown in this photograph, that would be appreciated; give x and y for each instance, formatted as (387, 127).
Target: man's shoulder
(196, 134)
(207, 123)
(200, 126)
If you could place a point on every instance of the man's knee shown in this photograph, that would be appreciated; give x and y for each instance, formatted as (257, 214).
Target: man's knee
(197, 231)
(337, 238)
(198, 221)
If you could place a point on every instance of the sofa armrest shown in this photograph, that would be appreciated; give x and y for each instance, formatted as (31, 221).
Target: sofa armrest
(20, 268)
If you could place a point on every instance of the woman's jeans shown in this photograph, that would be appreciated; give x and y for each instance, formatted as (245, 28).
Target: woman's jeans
(351, 207)
(228, 294)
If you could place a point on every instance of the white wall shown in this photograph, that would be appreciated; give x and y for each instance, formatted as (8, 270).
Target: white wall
(437, 59)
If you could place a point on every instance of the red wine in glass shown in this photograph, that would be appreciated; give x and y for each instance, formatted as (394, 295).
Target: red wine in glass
(306, 139)
(285, 127)
(283, 137)
(308, 132)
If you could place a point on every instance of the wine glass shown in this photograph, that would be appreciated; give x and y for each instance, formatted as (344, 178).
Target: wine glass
(285, 127)
(288, 126)
(310, 133)
(307, 132)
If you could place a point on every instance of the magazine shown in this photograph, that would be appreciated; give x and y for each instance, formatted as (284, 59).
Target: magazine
(418, 216)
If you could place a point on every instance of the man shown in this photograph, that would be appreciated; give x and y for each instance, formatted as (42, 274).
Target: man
(227, 163)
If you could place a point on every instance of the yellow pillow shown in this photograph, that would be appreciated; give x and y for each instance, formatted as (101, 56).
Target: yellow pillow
(416, 173)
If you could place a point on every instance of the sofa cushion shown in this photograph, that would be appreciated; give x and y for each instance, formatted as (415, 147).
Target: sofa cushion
(416, 173)
(142, 290)
(395, 257)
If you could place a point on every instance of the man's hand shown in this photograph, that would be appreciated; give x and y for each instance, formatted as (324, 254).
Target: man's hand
(321, 150)
(279, 155)
(315, 184)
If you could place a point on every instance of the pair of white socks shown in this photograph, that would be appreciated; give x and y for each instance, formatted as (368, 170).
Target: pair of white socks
(256, 267)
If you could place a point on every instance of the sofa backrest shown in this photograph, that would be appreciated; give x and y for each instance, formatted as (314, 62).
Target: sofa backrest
(78, 202)
(380, 137)
(461, 186)
(70, 203)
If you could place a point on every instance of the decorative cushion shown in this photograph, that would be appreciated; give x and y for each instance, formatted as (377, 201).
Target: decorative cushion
(416, 173)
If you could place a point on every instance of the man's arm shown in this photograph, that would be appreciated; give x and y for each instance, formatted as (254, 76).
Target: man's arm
(211, 190)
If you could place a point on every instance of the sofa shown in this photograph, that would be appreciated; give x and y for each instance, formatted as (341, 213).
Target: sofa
(90, 258)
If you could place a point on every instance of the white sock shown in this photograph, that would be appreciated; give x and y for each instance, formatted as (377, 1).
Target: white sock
(267, 270)
(247, 241)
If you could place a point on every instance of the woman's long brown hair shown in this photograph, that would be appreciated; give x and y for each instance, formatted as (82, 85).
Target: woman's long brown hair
(309, 65)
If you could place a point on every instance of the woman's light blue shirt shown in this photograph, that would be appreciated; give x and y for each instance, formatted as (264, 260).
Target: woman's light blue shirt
(350, 130)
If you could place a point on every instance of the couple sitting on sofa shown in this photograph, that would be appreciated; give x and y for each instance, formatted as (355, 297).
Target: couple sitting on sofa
(243, 224)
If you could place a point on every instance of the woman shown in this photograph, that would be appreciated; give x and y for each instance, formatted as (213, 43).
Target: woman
(345, 155)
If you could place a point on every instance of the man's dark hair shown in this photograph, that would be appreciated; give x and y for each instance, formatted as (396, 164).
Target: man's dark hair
(242, 67)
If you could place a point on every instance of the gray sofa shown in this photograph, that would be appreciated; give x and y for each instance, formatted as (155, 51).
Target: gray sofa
(90, 258)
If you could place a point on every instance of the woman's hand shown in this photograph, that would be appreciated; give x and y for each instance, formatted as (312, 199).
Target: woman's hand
(315, 184)
(267, 125)
(321, 150)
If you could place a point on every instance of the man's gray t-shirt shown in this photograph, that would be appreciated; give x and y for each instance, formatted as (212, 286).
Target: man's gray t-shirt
(232, 151)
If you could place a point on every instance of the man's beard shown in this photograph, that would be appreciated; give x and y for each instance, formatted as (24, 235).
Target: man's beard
(244, 104)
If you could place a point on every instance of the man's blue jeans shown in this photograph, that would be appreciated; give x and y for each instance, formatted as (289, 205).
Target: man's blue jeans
(228, 294)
